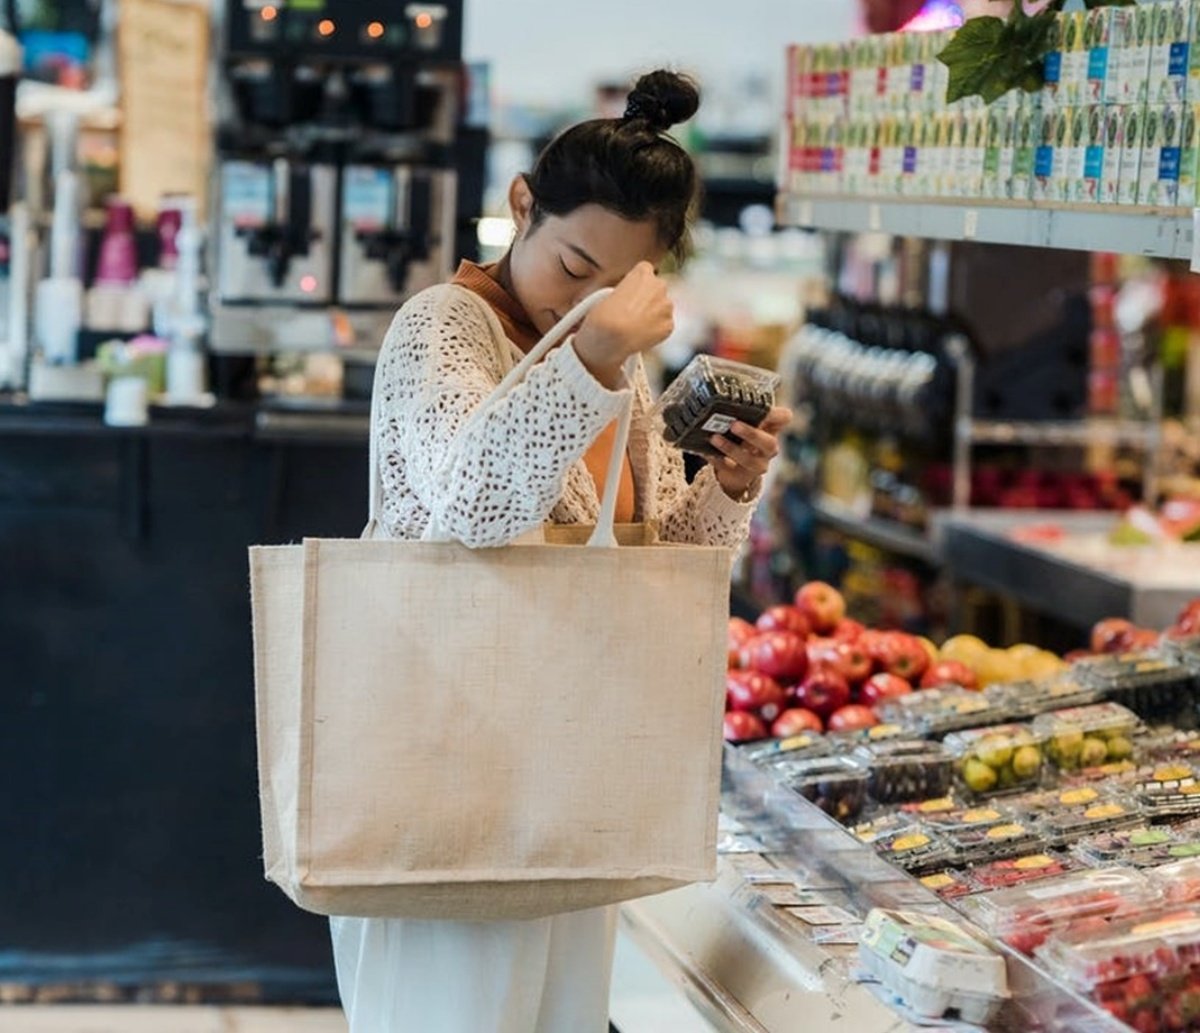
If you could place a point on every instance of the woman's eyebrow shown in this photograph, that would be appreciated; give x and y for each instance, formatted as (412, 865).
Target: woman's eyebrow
(583, 254)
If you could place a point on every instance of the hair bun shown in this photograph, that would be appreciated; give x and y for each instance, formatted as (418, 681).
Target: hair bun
(663, 99)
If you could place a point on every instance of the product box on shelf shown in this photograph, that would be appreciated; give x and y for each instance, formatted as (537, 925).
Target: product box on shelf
(1073, 85)
(899, 73)
(1088, 736)
(1158, 181)
(1133, 136)
(976, 142)
(1049, 157)
(1137, 37)
(1052, 64)
(1103, 37)
(1020, 183)
(933, 965)
(1193, 55)
(998, 759)
(1075, 159)
(909, 131)
(998, 126)
(1169, 52)
(1024, 917)
(1189, 155)
(1114, 142)
(891, 162)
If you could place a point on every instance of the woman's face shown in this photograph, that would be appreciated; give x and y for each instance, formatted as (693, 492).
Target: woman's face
(560, 261)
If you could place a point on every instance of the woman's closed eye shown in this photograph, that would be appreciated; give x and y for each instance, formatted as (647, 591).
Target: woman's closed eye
(570, 272)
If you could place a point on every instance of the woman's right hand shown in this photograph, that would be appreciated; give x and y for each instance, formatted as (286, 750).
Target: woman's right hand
(637, 316)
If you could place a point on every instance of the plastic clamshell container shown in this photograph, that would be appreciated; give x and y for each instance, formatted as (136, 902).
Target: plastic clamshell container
(993, 842)
(1026, 699)
(998, 759)
(1025, 916)
(794, 747)
(708, 397)
(1157, 942)
(889, 824)
(1154, 687)
(902, 770)
(931, 713)
(948, 884)
(838, 785)
(1140, 846)
(1016, 871)
(1185, 651)
(1172, 789)
(979, 816)
(928, 962)
(1063, 825)
(1178, 882)
(1089, 736)
(915, 849)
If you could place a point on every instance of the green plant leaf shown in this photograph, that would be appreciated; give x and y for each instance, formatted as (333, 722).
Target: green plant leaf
(989, 56)
(970, 57)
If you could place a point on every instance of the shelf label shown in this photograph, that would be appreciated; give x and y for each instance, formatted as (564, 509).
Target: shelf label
(970, 224)
(874, 218)
(1196, 240)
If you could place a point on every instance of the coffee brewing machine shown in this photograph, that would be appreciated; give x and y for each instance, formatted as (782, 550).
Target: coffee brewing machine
(335, 188)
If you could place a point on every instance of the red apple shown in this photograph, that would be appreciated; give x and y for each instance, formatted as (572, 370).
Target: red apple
(1188, 620)
(1111, 635)
(825, 652)
(794, 721)
(857, 664)
(1078, 654)
(901, 654)
(1141, 639)
(851, 718)
(740, 631)
(882, 687)
(822, 692)
(822, 604)
(848, 630)
(783, 618)
(755, 693)
(780, 654)
(742, 727)
(949, 672)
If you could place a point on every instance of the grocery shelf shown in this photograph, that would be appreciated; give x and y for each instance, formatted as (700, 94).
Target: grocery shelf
(1076, 432)
(1078, 579)
(890, 535)
(1131, 229)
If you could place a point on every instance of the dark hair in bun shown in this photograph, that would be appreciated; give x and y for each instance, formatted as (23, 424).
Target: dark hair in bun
(626, 165)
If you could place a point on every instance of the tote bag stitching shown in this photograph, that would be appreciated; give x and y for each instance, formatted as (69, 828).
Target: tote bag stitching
(307, 692)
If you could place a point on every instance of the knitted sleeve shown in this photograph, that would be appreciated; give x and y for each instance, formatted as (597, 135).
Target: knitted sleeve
(488, 482)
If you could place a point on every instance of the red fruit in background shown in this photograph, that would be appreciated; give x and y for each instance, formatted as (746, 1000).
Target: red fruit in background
(851, 718)
(883, 686)
(822, 604)
(1111, 635)
(848, 630)
(857, 664)
(794, 721)
(783, 618)
(1138, 990)
(1141, 639)
(742, 727)
(1078, 654)
(780, 654)
(739, 633)
(824, 652)
(1188, 620)
(755, 693)
(1145, 1021)
(822, 692)
(901, 654)
(949, 672)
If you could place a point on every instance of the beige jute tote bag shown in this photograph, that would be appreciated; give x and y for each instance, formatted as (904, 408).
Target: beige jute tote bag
(501, 733)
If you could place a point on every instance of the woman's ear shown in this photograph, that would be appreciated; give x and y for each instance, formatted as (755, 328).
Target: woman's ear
(520, 202)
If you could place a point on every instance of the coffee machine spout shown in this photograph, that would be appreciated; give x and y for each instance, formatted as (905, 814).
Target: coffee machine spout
(289, 233)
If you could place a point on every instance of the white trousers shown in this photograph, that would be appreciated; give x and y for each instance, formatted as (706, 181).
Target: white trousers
(549, 975)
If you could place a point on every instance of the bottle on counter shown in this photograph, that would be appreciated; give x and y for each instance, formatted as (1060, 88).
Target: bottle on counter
(114, 301)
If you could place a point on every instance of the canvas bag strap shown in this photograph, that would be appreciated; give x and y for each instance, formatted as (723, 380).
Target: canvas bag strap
(603, 534)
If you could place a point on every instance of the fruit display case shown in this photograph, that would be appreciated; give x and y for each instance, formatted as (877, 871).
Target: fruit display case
(999, 758)
(1155, 687)
(933, 713)
(1087, 736)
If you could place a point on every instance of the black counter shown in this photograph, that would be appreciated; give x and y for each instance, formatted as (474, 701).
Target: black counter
(131, 860)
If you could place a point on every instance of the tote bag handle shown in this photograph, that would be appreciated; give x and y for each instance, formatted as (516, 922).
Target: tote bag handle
(603, 534)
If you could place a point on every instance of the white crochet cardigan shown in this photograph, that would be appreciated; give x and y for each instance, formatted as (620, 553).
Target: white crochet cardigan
(522, 464)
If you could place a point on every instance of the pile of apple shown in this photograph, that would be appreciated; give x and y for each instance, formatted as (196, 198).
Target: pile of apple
(806, 667)
(1118, 635)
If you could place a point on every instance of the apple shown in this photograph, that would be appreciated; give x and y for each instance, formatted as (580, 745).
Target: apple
(1111, 635)
(851, 718)
(1078, 654)
(1141, 639)
(949, 672)
(857, 664)
(1188, 620)
(742, 727)
(780, 654)
(783, 618)
(755, 693)
(848, 630)
(823, 691)
(794, 721)
(822, 604)
(883, 686)
(740, 631)
(901, 654)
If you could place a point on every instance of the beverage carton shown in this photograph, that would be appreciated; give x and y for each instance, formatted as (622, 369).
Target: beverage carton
(1114, 143)
(1158, 178)
(1189, 154)
(1089, 187)
(1076, 153)
(1102, 34)
(1024, 154)
(1138, 34)
(997, 124)
(1076, 46)
(1048, 159)
(1052, 69)
(1133, 136)
(1169, 52)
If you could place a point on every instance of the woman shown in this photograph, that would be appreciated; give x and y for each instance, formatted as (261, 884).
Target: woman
(606, 202)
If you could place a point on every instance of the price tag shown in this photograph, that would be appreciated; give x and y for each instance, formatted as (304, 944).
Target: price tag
(806, 214)
(970, 224)
(875, 218)
(1196, 240)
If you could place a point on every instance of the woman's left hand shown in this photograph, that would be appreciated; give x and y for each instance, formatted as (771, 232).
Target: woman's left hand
(746, 459)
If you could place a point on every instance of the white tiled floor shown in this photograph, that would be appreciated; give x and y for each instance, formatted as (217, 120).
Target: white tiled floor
(643, 1001)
